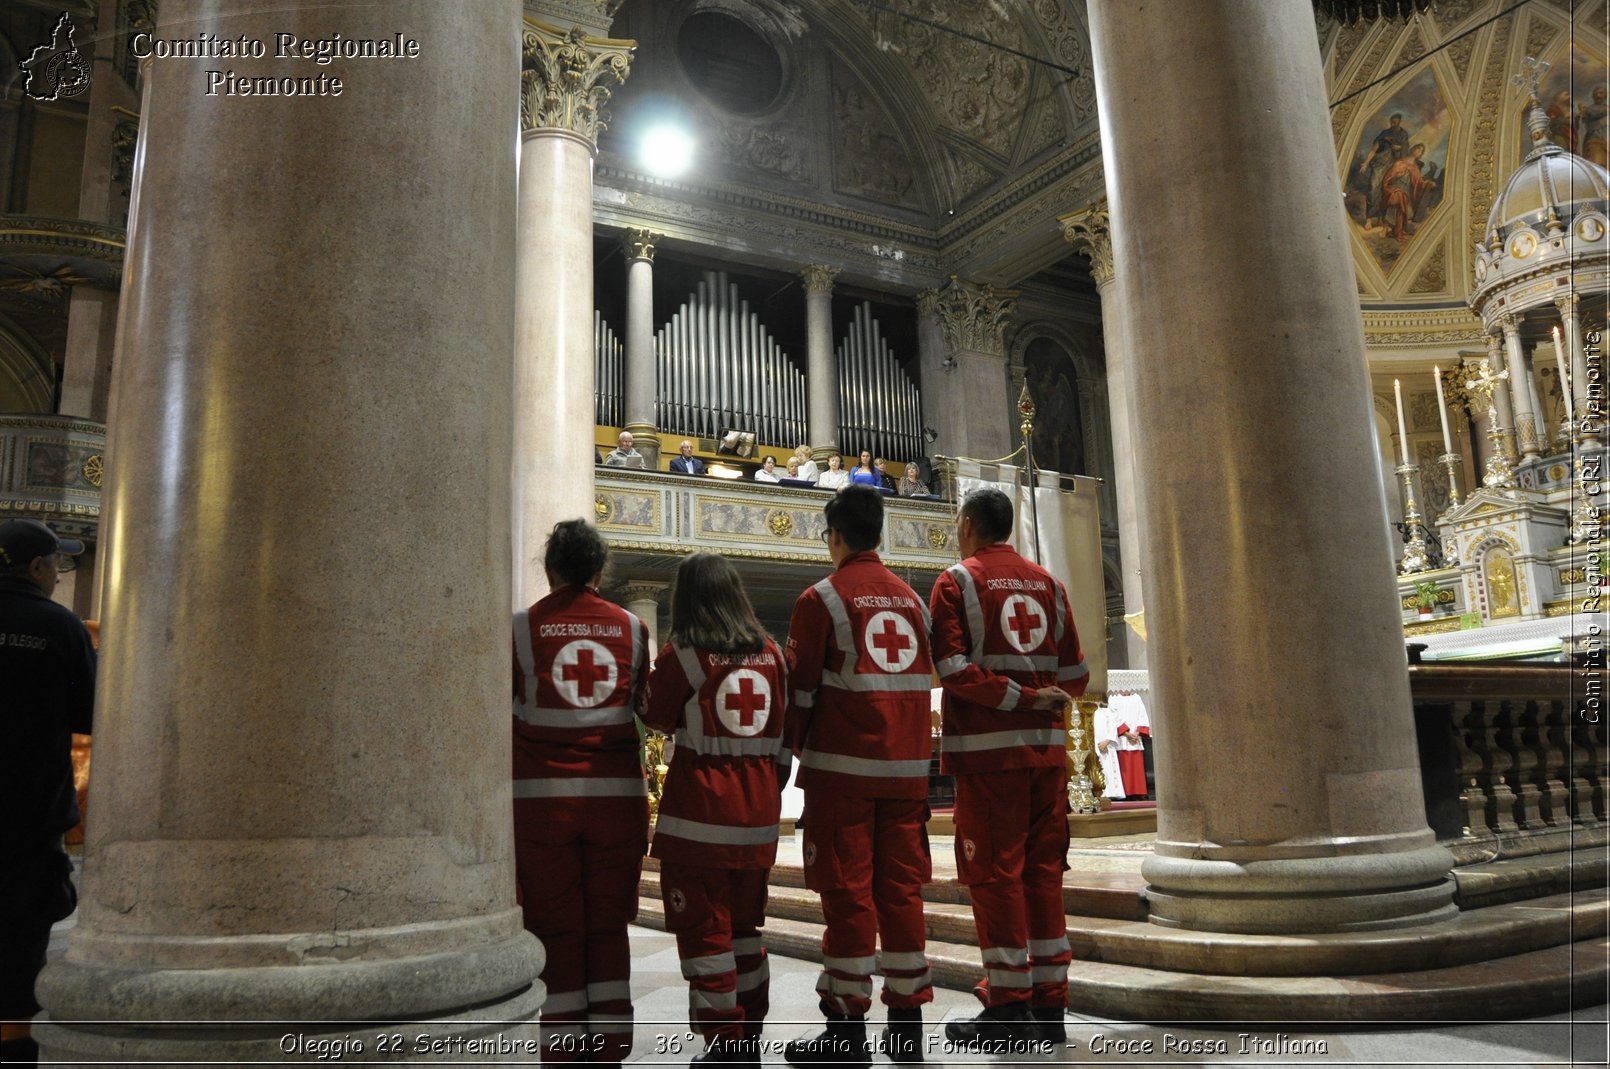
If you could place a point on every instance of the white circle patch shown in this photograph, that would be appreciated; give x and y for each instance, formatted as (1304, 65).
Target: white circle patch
(1023, 622)
(584, 673)
(743, 702)
(891, 642)
(677, 900)
(969, 848)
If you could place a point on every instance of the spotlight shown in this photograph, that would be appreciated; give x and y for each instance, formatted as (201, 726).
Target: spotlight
(667, 151)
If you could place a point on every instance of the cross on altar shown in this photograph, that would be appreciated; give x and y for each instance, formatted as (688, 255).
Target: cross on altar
(1025, 620)
(748, 702)
(584, 673)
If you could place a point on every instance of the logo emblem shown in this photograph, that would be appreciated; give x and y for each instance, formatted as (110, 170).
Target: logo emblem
(810, 852)
(584, 673)
(743, 702)
(891, 642)
(969, 848)
(677, 900)
(1023, 622)
(56, 70)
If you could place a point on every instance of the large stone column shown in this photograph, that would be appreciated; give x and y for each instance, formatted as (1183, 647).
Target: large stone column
(1529, 437)
(821, 369)
(1286, 762)
(566, 81)
(301, 791)
(1089, 233)
(643, 597)
(641, 388)
(979, 417)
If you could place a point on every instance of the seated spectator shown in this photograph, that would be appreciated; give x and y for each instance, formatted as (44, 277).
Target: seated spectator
(911, 485)
(685, 463)
(835, 477)
(807, 467)
(864, 474)
(623, 455)
(885, 480)
(768, 471)
(793, 467)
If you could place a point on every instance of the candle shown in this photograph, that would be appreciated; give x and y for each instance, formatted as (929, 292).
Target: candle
(1403, 435)
(1565, 383)
(1442, 412)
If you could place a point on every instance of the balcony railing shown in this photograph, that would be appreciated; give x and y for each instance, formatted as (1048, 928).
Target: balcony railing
(50, 470)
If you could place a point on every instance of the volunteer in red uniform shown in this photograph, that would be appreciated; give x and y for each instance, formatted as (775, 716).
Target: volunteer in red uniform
(860, 673)
(580, 803)
(1010, 663)
(719, 684)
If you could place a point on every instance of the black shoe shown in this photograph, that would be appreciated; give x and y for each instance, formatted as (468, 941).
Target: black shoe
(1009, 1023)
(901, 1038)
(730, 1052)
(843, 1042)
(1050, 1022)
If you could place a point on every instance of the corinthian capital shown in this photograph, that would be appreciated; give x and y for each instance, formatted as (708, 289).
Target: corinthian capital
(1088, 232)
(973, 316)
(639, 243)
(566, 79)
(819, 279)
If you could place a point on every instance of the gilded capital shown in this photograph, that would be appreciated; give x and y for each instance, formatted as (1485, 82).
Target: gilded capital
(1089, 232)
(819, 278)
(639, 243)
(974, 316)
(1568, 305)
(567, 78)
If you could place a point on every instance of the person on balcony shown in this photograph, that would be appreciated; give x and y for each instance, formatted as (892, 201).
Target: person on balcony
(768, 471)
(624, 455)
(835, 477)
(685, 463)
(864, 474)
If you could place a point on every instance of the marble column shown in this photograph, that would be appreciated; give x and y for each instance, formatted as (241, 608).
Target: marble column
(1089, 232)
(642, 390)
(565, 82)
(980, 418)
(1528, 438)
(643, 597)
(821, 373)
(1286, 761)
(1506, 413)
(301, 789)
(933, 367)
(1585, 424)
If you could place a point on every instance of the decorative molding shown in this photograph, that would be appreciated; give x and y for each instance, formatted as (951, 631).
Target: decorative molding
(974, 316)
(564, 79)
(818, 278)
(1431, 327)
(639, 243)
(1089, 232)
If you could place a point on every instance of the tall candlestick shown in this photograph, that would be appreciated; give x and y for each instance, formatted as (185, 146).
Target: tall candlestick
(1565, 383)
(1442, 412)
(1403, 435)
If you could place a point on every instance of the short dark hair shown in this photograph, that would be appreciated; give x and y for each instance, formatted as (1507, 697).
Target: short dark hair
(575, 552)
(856, 512)
(991, 513)
(710, 609)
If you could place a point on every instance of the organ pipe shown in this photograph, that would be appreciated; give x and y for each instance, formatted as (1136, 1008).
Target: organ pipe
(609, 370)
(879, 406)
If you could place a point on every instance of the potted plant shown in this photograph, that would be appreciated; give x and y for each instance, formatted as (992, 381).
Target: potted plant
(1425, 597)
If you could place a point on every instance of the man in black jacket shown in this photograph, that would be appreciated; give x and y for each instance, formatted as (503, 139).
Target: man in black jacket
(48, 665)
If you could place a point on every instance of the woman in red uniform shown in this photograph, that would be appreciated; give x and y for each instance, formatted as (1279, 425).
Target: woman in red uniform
(719, 684)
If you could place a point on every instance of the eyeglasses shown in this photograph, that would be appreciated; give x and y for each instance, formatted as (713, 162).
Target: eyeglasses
(825, 532)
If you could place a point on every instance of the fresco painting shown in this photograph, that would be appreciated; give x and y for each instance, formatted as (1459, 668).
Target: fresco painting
(1573, 93)
(1399, 168)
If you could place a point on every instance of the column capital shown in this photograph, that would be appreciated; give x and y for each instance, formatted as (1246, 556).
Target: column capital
(972, 315)
(1088, 230)
(643, 590)
(565, 76)
(639, 243)
(1567, 305)
(1510, 325)
(818, 278)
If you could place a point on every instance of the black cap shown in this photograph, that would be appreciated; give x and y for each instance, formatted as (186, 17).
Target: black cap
(23, 540)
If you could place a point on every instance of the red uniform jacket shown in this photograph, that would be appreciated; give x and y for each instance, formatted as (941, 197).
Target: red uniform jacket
(580, 672)
(1002, 630)
(721, 802)
(860, 672)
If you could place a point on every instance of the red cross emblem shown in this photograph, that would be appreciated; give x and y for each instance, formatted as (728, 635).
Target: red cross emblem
(584, 673)
(891, 642)
(743, 702)
(1023, 622)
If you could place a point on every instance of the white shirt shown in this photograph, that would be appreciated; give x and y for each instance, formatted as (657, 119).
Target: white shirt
(833, 480)
(809, 470)
(764, 476)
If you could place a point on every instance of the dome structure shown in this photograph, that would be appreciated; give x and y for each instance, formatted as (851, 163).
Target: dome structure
(1546, 233)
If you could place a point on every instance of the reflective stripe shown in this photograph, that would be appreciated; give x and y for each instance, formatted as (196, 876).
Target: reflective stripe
(1063, 611)
(565, 1002)
(756, 977)
(700, 832)
(580, 787)
(974, 610)
(691, 733)
(712, 965)
(1049, 948)
(699, 999)
(837, 985)
(951, 665)
(902, 959)
(1048, 974)
(908, 985)
(1077, 671)
(1013, 695)
(805, 699)
(609, 991)
(1005, 955)
(1006, 978)
(1003, 740)
(722, 746)
(747, 946)
(547, 716)
(882, 768)
(893, 681)
(639, 653)
(852, 966)
(841, 625)
(1020, 662)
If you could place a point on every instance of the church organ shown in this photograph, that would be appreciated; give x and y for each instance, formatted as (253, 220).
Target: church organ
(609, 374)
(879, 407)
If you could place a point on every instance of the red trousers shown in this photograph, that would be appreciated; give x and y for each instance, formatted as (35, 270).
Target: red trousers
(578, 864)
(868, 859)
(716, 915)
(1011, 851)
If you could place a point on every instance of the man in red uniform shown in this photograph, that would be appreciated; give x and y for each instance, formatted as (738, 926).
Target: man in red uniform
(580, 804)
(860, 673)
(1010, 662)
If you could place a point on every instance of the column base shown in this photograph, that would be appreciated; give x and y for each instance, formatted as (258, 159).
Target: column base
(1302, 895)
(646, 440)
